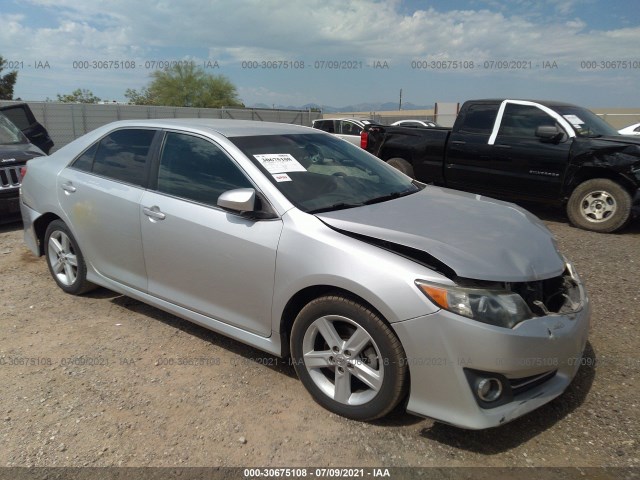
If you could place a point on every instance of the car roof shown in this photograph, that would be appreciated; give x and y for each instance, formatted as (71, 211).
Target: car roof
(227, 128)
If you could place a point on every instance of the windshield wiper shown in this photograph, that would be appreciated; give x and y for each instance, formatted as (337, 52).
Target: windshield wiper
(336, 206)
(391, 196)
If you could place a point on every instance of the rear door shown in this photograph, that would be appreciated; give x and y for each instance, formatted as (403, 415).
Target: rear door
(101, 192)
(469, 161)
(197, 255)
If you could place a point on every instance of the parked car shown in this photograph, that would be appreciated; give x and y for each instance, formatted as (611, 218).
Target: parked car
(348, 129)
(414, 124)
(299, 243)
(521, 150)
(630, 130)
(22, 116)
(15, 150)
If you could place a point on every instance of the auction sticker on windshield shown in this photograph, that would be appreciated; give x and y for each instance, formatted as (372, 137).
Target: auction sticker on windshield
(574, 120)
(280, 163)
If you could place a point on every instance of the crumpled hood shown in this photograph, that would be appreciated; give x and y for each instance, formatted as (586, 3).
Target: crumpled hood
(478, 237)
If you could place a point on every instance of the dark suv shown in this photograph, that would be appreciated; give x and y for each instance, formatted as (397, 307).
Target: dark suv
(15, 150)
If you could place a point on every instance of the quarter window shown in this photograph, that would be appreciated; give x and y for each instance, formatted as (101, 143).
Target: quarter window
(195, 169)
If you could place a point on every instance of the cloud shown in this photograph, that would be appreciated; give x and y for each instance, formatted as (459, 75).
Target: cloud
(360, 30)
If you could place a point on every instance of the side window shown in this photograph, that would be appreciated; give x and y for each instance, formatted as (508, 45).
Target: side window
(85, 161)
(348, 128)
(326, 125)
(18, 116)
(479, 118)
(195, 169)
(522, 121)
(122, 155)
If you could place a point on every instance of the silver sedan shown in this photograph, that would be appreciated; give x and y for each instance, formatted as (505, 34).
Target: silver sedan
(298, 243)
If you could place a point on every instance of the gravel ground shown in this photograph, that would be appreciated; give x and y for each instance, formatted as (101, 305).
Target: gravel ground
(96, 381)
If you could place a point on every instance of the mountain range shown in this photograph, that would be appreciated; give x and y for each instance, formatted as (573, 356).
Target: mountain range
(360, 107)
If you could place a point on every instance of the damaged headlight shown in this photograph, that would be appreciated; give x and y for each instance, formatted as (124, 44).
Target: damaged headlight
(495, 307)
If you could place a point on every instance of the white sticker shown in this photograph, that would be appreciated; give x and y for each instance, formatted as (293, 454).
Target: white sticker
(574, 120)
(280, 163)
(281, 177)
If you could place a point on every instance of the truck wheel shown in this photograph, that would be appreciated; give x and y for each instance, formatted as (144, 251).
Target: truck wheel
(600, 205)
(402, 165)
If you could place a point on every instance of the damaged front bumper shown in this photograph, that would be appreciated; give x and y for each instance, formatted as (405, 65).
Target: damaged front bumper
(474, 375)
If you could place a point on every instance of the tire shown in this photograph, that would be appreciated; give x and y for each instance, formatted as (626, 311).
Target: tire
(337, 345)
(64, 259)
(600, 205)
(402, 165)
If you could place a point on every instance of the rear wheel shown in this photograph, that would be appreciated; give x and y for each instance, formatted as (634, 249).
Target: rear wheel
(348, 358)
(600, 204)
(402, 165)
(64, 259)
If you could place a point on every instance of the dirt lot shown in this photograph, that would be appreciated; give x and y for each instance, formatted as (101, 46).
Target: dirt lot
(96, 381)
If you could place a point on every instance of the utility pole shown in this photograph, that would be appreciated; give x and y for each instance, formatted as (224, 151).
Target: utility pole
(400, 104)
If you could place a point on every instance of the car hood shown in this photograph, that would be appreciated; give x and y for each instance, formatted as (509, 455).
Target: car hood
(477, 237)
(20, 153)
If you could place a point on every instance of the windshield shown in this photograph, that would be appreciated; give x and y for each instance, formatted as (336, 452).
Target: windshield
(585, 122)
(9, 133)
(320, 172)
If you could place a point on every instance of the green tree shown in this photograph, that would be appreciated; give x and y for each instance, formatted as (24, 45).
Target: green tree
(7, 81)
(79, 95)
(186, 85)
(142, 97)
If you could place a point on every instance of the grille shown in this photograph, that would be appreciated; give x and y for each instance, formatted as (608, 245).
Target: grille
(10, 177)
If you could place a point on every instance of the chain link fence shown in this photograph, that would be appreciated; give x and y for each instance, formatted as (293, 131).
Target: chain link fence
(67, 121)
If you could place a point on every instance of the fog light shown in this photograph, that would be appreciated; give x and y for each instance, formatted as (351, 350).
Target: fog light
(489, 389)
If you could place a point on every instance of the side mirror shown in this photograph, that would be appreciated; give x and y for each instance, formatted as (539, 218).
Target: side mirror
(238, 200)
(549, 133)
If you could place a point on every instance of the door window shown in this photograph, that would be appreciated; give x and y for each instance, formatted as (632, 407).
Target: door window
(522, 121)
(122, 155)
(195, 169)
(348, 128)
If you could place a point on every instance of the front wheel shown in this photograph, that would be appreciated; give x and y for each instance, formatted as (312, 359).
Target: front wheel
(348, 358)
(600, 204)
(65, 259)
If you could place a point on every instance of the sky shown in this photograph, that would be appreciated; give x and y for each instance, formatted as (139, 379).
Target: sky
(333, 52)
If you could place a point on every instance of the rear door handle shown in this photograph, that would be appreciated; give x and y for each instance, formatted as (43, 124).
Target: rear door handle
(500, 145)
(68, 187)
(154, 213)
(458, 142)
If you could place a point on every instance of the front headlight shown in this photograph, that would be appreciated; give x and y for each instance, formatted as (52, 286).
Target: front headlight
(495, 307)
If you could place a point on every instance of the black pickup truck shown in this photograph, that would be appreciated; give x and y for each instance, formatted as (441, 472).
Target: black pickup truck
(524, 151)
